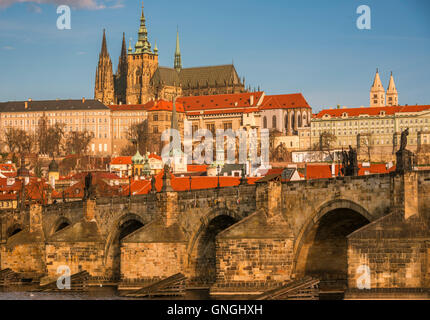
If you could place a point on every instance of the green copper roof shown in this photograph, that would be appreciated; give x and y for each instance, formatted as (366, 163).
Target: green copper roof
(137, 158)
(142, 44)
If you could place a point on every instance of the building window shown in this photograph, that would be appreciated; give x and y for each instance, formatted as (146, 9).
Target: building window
(264, 122)
(274, 122)
(211, 127)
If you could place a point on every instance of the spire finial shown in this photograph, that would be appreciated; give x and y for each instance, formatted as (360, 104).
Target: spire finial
(178, 59)
(155, 47)
(104, 51)
(130, 49)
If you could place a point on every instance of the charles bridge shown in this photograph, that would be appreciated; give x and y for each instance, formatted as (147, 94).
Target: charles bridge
(244, 239)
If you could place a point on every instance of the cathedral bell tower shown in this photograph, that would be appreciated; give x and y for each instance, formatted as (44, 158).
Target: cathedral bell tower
(142, 63)
(377, 92)
(392, 95)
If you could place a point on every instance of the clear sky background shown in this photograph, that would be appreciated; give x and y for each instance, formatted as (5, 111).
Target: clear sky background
(283, 46)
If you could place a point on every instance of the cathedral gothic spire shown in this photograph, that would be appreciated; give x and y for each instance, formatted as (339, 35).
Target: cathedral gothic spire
(121, 75)
(178, 60)
(104, 86)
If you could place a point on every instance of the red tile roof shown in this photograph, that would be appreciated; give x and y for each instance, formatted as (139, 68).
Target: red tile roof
(371, 111)
(197, 167)
(183, 183)
(316, 171)
(221, 101)
(162, 105)
(8, 167)
(284, 101)
(127, 107)
(121, 160)
(154, 156)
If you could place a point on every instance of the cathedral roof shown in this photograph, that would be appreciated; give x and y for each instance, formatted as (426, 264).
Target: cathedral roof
(51, 105)
(198, 76)
(212, 75)
(165, 76)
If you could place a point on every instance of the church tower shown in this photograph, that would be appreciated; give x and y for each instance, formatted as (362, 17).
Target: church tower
(392, 95)
(142, 63)
(104, 87)
(121, 75)
(178, 60)
(377, 92)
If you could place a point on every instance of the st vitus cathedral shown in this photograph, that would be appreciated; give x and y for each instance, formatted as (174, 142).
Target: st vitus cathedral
(140, 79)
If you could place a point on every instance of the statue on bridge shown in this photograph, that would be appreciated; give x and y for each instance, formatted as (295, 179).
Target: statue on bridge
(88, 187)
(349, 162)
(404, 157)
(153, 188)
(404, 140)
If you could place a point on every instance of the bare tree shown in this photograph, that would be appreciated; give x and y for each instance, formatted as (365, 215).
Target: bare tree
(139, 134)
(49, 137)
(11, 138)
(77, 142)
(326, 144)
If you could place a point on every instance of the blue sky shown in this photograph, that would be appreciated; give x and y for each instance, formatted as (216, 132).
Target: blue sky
(283, 46)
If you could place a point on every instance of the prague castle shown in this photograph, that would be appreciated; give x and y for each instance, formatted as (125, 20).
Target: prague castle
(140, 79)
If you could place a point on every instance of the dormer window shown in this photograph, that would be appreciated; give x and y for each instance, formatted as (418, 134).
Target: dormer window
(344, 115)
(382, 113)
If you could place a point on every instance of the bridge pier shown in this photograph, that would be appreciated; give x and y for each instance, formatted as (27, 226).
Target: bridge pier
(389, 258)
(256, 254)
(24, 252)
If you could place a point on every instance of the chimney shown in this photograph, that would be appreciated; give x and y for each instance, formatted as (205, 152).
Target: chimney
(83, 100)
(26, 105)
(251, 100)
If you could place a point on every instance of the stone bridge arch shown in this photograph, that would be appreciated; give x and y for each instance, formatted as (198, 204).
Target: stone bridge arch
(14, 229)
(60, 224)
(126, 224)
(321, 246)
(201, 250)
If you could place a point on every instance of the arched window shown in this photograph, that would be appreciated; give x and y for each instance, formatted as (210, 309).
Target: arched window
(264, 122)
(286, 122)
(274, 122)
(293, 120)
(304, 119)
(299, 120)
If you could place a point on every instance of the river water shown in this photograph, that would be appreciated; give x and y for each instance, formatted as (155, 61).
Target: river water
(105, 293)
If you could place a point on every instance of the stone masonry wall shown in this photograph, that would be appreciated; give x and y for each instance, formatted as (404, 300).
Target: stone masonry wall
(252, 264)
(78, 256)
(149, 261)
(27, 258)
(395, 250)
